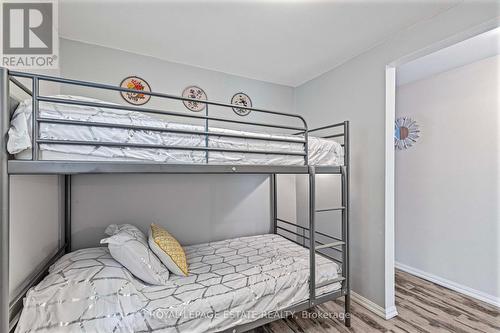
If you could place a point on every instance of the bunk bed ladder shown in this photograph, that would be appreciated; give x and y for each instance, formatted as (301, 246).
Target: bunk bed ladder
(306, 235)
(342, 243)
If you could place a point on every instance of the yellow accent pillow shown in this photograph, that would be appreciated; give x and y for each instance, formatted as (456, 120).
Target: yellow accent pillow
(168, 249)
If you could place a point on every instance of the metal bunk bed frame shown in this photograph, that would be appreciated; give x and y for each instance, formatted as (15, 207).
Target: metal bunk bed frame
(10, 307)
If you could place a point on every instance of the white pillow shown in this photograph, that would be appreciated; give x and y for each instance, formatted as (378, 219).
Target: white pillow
(129, 246)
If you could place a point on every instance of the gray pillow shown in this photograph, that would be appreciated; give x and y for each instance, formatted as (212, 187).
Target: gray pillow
(129, 246)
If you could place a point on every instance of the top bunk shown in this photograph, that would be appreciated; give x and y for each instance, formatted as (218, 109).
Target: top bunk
(68, 134)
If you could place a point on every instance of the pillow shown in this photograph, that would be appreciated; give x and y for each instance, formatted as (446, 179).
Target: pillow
(168, 249)
(129, 246)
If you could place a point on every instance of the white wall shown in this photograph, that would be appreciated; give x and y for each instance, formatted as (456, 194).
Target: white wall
(447, 186)
(35, 216)
(105, 65)
(286, 200)
(356, 91)
(195, 208)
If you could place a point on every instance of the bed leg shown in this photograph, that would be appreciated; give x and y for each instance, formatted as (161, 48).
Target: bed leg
(347, 310)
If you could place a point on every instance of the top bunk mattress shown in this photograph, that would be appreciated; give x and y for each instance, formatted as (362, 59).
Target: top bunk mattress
(322, 152)
(231, 282)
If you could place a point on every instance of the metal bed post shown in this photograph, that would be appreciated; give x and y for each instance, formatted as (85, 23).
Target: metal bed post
(274, 203)
(312, 233)
(4, 200)
(35, 136)
(67, 213)
(206, 131)
(345, 226)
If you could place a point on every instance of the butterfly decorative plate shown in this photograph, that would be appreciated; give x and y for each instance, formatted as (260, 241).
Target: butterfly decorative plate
(243, 100)
(194, 92)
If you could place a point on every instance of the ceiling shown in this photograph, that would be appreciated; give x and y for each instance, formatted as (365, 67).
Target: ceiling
(479, 47)
(284, 42)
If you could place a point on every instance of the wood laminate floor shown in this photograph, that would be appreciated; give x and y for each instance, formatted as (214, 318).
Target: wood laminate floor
(422, 306)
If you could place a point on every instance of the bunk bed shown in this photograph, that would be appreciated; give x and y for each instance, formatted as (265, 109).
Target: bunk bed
(49, 135)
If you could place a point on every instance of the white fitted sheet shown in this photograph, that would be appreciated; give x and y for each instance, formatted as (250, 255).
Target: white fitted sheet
(321, 151)
(231, 282)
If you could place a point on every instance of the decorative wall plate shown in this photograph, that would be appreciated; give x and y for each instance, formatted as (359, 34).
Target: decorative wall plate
(195, 93)
(406, 133)
(243, 100)
(135, 83)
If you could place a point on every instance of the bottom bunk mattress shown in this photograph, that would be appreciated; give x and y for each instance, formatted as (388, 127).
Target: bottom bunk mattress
(230, 283)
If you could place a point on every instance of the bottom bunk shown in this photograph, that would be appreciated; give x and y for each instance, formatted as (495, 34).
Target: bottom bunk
(231, 283)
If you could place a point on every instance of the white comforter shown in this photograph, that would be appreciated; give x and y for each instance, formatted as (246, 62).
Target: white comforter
(321, 151)
(231, 282)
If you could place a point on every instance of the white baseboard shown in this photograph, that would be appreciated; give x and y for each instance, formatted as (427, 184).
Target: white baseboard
(386, 313)
(490, 299)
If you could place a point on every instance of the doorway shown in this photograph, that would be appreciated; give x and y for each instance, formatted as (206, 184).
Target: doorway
(412, 62)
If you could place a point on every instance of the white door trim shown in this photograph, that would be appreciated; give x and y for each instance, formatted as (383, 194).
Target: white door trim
(389, 255)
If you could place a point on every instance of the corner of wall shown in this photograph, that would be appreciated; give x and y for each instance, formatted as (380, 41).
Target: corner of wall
(386, 313)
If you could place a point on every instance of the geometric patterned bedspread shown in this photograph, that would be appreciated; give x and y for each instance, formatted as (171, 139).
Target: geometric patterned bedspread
(231, 282)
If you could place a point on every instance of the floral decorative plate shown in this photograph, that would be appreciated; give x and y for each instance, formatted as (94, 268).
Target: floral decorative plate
(135, 83)
(243, 100)
(194, 92)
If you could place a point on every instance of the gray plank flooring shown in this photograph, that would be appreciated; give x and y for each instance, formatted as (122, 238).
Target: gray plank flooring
(423, 307)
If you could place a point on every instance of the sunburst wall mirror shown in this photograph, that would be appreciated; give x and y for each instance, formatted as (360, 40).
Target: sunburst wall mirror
(406, 133)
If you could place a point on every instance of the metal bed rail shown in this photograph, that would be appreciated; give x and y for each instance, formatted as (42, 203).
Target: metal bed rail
(320, 247)
(206, 133)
